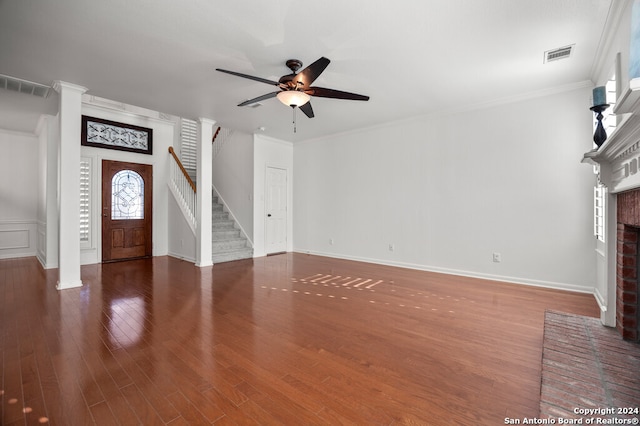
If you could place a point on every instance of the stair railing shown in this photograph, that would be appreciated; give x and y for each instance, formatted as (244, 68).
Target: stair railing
(219, 138)
(183, 187)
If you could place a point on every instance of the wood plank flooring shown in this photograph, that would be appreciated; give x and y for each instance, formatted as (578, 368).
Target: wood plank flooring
(290, 339)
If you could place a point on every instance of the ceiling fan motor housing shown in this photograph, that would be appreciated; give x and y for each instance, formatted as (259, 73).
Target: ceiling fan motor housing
(287, 80)
(294, 65)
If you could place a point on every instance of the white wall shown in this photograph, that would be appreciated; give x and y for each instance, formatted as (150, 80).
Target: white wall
(449, 191)
(233, 178)
(163, 136)
(269, 152)
(18, 194)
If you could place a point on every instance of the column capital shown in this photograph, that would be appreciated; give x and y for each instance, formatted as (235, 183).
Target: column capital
(207, 121)
(59, 85)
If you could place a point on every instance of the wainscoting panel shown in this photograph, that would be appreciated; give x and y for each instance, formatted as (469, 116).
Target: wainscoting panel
(17, 238)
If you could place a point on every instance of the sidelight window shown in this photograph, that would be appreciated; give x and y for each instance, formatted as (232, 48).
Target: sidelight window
(599, 196)
(85, 202)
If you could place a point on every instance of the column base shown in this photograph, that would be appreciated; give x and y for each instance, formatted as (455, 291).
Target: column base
(68, 284)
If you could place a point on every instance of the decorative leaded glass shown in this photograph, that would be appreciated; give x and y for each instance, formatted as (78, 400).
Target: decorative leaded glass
(100, 133)
(127, 196)
(107, 134)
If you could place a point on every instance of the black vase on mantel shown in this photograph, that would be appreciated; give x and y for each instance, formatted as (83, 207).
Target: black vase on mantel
(600, 134)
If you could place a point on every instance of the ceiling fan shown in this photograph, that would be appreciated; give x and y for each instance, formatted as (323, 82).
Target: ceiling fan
(295, 89)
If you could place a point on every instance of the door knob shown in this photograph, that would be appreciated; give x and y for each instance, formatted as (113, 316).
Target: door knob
(269, 215)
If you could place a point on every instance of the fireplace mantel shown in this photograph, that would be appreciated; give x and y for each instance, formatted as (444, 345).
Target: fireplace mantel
(619, 157)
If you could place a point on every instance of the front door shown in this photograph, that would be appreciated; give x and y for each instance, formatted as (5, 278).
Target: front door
(126, 210)
(276, 206)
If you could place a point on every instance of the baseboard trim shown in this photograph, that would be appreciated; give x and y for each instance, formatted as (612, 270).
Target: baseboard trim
(600, 299)
(462, 273)
(182, 257)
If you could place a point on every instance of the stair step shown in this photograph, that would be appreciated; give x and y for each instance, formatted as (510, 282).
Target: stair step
(217, 216)
(228, 256)
(223, 224)
(228, 244)
(224, 234)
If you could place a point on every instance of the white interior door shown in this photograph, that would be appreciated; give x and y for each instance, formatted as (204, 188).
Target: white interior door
(276, 210)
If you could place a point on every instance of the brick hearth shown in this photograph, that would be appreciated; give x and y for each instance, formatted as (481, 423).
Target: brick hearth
(586, 365)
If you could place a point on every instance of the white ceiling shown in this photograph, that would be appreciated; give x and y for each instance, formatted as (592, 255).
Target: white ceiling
(411, 57)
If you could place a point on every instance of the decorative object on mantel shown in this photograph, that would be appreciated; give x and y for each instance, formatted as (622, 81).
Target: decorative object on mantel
(101, 133)
(599, 105)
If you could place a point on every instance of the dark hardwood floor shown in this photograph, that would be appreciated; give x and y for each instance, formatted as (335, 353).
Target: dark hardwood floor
(290, 339)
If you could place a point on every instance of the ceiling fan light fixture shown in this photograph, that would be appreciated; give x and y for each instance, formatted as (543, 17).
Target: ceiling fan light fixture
(293, 98)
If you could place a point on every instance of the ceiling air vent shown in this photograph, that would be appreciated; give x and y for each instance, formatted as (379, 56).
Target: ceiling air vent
(24, 86)
(557, 54)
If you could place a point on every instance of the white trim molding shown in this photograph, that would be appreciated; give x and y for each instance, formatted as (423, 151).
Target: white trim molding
(18, 238)
(458, 272)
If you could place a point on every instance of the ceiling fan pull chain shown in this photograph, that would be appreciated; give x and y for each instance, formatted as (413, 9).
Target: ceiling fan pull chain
(293, 107)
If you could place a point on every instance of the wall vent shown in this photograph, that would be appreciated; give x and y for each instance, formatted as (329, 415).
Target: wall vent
(24, 86)
(557, 54)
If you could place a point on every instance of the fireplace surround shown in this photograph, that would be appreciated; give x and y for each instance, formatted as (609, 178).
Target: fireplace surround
(617, 164)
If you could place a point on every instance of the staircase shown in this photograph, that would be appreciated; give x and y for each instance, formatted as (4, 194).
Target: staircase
(228, 243)
(228, 240)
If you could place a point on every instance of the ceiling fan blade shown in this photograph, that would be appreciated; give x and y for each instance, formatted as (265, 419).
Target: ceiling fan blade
(335, 94)
(310, 73)
(250, 77)
(259, 98)
(306, 108)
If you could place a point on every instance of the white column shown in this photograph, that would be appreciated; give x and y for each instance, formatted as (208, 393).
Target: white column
(70, 113)
(203, 195)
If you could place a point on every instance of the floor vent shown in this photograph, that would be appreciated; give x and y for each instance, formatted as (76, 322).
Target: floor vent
(24, 86)
(557, 54)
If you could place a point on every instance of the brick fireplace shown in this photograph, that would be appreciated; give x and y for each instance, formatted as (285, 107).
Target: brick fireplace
(617, 165)
(627, 258)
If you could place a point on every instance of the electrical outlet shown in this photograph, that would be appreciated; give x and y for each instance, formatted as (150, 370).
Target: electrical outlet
(331, 241)
(497, 257)
(392, 247)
